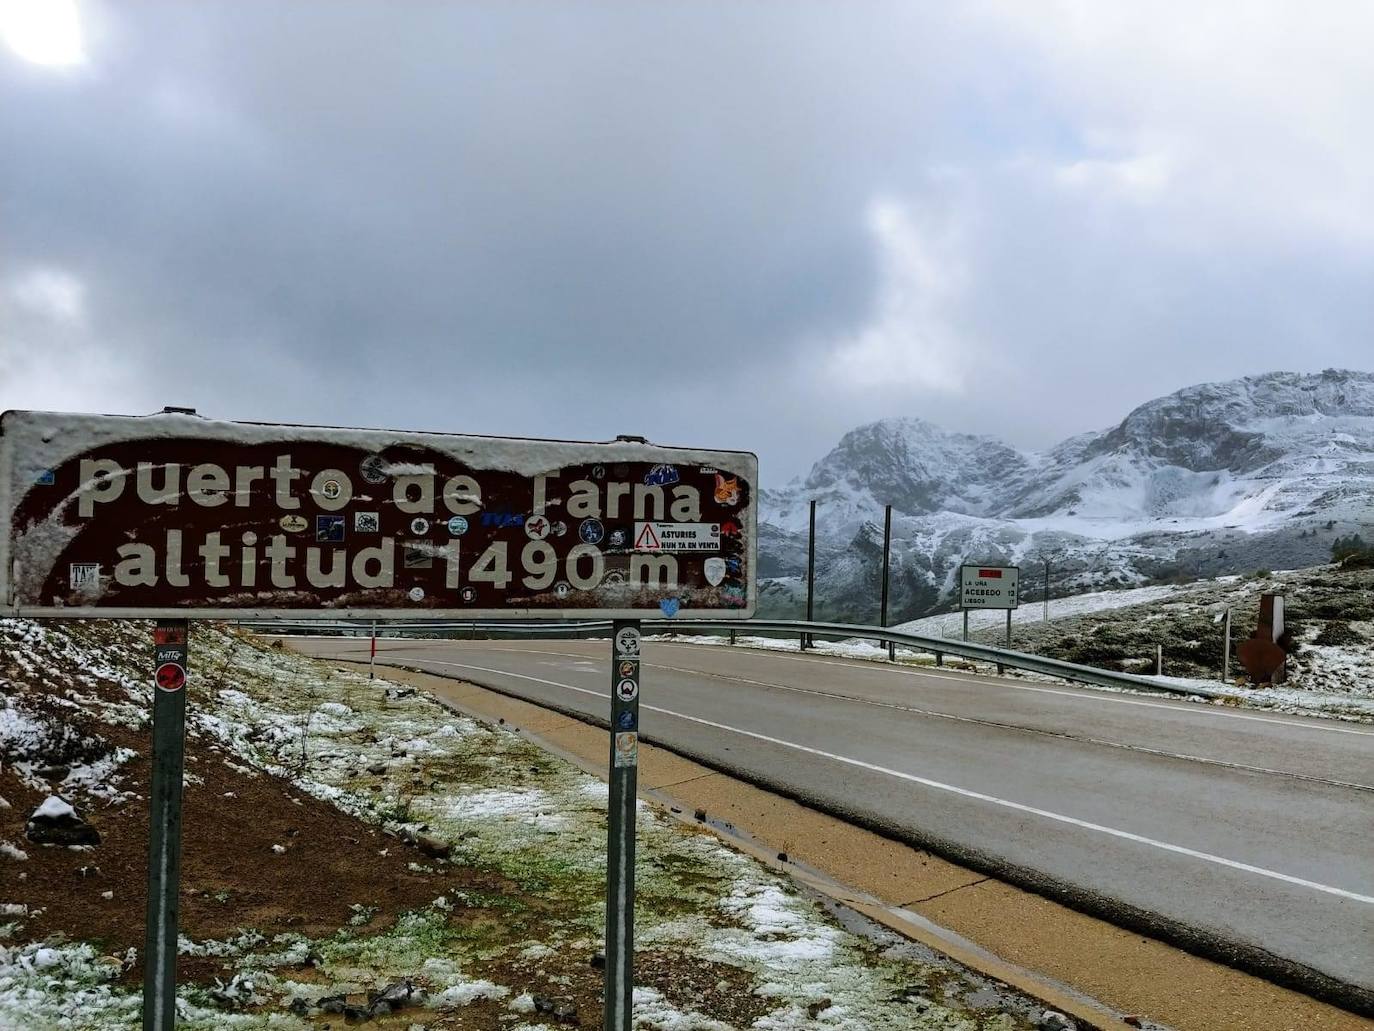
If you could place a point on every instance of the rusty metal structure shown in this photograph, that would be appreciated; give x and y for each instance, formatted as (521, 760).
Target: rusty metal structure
(1263, 654)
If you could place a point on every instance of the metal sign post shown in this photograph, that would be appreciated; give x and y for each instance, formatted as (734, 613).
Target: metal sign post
(620, 826)
(164, 825)
(887, 563)
(807, 641)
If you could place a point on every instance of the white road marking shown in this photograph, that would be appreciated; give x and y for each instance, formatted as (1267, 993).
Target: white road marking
(1085, 694)
(957, 718)
(951, 788)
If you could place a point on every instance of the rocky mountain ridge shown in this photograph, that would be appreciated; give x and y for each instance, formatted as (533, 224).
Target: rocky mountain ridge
(1215, 478)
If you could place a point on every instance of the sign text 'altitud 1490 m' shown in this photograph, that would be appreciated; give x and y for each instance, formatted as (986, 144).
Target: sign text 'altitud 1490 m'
(177, 515)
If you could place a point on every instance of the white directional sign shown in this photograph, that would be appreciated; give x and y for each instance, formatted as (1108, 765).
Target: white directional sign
(989, 587)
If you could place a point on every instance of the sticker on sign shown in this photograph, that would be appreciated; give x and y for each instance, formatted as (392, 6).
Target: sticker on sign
(178, 516)
(989, 587)
(627, 749)
(677, 537)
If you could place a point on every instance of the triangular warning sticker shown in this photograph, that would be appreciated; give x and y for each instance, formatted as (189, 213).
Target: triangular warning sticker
(647, 539)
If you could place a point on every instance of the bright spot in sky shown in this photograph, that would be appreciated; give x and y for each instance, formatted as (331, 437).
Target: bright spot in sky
(46, 32)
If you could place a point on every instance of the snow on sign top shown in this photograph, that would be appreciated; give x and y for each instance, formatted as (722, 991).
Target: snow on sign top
(173, 515)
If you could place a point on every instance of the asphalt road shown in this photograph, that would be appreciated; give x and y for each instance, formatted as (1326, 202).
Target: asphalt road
(1246, 835)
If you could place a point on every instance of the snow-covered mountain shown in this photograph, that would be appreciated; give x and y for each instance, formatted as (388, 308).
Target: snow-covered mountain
(1221, 477)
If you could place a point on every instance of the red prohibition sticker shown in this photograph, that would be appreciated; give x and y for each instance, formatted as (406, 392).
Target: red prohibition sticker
(171, 676)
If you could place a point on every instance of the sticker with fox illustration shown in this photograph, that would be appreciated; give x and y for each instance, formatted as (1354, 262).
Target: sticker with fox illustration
(727, 491)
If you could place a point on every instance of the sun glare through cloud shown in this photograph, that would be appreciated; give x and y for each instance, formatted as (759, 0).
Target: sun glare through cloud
(44, 32)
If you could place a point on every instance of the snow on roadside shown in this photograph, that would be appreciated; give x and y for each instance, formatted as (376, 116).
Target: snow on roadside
(951, 624)
(1342, 664)
(1292, 700)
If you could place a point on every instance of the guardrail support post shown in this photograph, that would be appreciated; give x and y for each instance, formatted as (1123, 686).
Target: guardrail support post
(732, 635)
(939, 658)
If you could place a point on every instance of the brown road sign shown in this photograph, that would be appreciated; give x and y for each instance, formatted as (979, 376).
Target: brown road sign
(174, 515)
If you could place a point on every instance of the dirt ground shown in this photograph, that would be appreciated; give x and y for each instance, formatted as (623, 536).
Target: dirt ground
(231, 877)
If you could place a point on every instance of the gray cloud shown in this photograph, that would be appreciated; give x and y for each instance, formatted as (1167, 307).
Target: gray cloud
(739, 225)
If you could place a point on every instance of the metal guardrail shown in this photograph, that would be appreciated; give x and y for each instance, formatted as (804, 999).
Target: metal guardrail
(937, 646)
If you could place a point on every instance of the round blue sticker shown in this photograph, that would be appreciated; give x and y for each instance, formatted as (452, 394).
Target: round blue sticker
(457, 526)
(591, 531)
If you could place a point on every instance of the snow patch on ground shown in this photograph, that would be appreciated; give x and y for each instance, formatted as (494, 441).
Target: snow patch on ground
(952, 624)
(652, 1010)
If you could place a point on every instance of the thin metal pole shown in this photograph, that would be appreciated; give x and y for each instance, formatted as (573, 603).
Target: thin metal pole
(1001, 668)
(810, 575)
(887, 565)
(1159, 660)
(966, 626)
(164, 825)
(1226, 650)
(1047, 590)
(372, 659)
(620, 825)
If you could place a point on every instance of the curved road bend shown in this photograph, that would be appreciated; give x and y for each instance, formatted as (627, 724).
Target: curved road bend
(1244, 834)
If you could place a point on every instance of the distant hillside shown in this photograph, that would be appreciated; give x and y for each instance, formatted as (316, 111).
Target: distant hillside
(1260, 472)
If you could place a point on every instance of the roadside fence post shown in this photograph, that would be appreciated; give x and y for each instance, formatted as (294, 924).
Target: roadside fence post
(1226, 650)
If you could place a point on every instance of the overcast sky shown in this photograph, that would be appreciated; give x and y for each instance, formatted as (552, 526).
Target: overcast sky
(749, 225)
